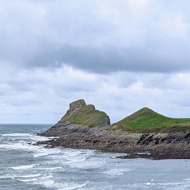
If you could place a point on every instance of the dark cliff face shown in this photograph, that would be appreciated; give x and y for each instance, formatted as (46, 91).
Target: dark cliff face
(80, 117)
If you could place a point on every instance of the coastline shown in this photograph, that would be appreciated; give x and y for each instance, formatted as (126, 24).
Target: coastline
(151, 146)
(144, 134)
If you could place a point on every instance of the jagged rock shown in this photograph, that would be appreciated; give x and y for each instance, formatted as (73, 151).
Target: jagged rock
(79, 118)
(76, 105)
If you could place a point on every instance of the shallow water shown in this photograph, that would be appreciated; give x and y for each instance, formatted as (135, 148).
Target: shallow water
(25, 166)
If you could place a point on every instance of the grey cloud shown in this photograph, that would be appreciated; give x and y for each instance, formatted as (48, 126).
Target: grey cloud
(104, 60)
(102, 37)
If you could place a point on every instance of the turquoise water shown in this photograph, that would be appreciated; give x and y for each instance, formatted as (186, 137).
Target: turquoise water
(24, 166)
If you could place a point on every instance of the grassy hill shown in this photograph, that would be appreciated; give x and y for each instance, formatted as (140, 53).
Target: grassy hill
(87, 115)
(147, 121)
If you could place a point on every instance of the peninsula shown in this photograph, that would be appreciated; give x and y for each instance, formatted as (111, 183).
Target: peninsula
(144, 134)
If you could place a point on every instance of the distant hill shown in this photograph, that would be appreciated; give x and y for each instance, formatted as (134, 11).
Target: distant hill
(147, 120)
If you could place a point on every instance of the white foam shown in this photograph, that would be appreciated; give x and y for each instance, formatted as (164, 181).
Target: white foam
(137, 186)
(115, 172)
(60, 186)
(28, 136)
(185, 184)
(72, 153)
(79, 159)
(149, 183)
(49, 168)
(20, 145)
(28, 180)
(30, 176)
(40, 138)
(17, 135)
(75, 160)
(23, 167)
(46, 152)
(40, 154)
(7, 176)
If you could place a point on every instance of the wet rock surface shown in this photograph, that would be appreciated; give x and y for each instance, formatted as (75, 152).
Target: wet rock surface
(151, 146)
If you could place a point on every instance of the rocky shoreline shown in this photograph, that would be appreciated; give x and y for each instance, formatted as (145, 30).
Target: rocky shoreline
(136, 146)
(71, 134)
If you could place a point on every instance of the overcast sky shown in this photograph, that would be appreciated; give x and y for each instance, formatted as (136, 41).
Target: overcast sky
(120, 55)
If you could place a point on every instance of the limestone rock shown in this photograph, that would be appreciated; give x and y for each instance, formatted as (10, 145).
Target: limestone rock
(80, 117)
(76, 105)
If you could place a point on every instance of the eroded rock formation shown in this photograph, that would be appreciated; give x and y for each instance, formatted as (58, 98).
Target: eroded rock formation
(85, 127)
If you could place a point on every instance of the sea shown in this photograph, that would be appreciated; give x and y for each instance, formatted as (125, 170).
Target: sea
(25, 166)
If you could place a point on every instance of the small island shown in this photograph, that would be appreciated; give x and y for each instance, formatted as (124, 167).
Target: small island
(144, 134)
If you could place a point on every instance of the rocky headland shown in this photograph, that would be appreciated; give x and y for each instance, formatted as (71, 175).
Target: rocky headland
(144, 134)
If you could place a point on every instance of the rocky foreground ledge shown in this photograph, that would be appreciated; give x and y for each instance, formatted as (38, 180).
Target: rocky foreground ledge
(84, 127)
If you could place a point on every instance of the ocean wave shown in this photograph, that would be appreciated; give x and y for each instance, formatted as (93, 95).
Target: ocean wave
(23, 167)
(85, 164)
(7, 176)
(40, 138)
(75, 160)
(41, 154)
(49, 168)
(28, 180)
(20, 145)
(182, 185)
(28, 136)
(47, 152)
(60, 186)
(79, 158)
(115, 172)
(30, 176)
(17, 135)
(151, 182)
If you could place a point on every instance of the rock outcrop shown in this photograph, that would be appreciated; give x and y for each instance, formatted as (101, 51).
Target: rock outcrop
(80, 118)
(144, 134)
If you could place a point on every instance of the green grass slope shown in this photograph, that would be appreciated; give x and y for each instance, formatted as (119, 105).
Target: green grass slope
(147, 121)
(87, 116)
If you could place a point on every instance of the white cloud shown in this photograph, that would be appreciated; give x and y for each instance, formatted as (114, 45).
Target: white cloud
(43, 95)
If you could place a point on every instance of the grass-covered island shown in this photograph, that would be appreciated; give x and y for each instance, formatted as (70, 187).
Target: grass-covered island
(144, 134)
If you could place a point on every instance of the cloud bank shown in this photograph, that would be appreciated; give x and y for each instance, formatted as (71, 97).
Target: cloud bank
(43, 95)
(132, 35)
(119, 55)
